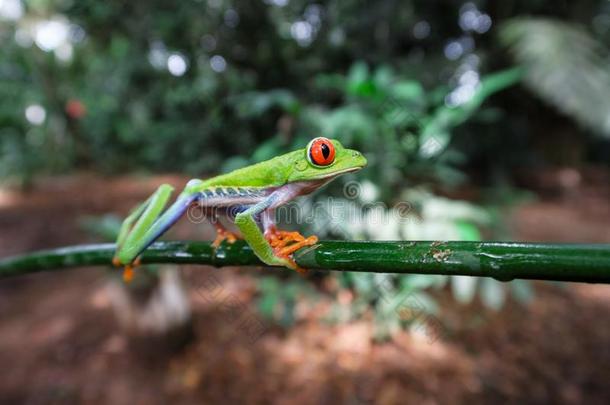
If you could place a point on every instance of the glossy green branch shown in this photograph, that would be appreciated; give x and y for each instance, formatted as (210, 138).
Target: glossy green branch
(501, 260)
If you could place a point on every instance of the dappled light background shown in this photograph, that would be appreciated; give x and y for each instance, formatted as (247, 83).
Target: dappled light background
(480, 121)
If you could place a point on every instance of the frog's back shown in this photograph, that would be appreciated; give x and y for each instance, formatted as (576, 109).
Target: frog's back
(270, 173)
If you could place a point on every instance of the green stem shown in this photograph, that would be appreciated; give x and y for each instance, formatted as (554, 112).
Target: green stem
(501, 260)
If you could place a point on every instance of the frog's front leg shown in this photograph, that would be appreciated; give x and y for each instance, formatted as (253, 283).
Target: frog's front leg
(274, 247)
(284, 243)
(222, 233)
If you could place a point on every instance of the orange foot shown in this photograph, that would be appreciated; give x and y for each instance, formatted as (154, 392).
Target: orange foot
(128, 269)
(222, 235)
(285, 243)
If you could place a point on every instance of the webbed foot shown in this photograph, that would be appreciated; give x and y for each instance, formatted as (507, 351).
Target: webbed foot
(285, 243)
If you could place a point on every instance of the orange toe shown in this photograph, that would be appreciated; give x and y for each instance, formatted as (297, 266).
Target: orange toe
(295, 266)
(218, 240)
(290, 249)
(128, 274)
(222, 235)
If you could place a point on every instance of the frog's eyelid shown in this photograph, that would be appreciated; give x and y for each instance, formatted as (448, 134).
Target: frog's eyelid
(307, 151)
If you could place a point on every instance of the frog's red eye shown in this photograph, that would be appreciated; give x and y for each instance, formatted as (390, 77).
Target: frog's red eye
(321, 152)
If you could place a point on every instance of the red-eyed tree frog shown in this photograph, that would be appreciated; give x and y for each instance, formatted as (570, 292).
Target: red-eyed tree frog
(251, 194)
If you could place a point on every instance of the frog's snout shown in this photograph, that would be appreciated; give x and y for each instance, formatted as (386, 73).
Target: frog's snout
(360, 158)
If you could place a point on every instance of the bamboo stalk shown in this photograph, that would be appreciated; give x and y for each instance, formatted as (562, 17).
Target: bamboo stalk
(503, 261)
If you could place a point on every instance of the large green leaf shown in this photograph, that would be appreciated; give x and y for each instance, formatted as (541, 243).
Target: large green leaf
(565, 66)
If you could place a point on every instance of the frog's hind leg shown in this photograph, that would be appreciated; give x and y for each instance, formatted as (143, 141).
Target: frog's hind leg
(146, 223)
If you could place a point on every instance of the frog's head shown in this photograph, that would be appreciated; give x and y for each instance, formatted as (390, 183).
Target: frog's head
(324, 159)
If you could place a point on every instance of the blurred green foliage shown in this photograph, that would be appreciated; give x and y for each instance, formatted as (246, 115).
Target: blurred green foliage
(566, 66)
(405, 130)
(187, 87)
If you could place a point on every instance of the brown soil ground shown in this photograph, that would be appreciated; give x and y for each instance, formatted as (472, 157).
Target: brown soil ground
(60, 342)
